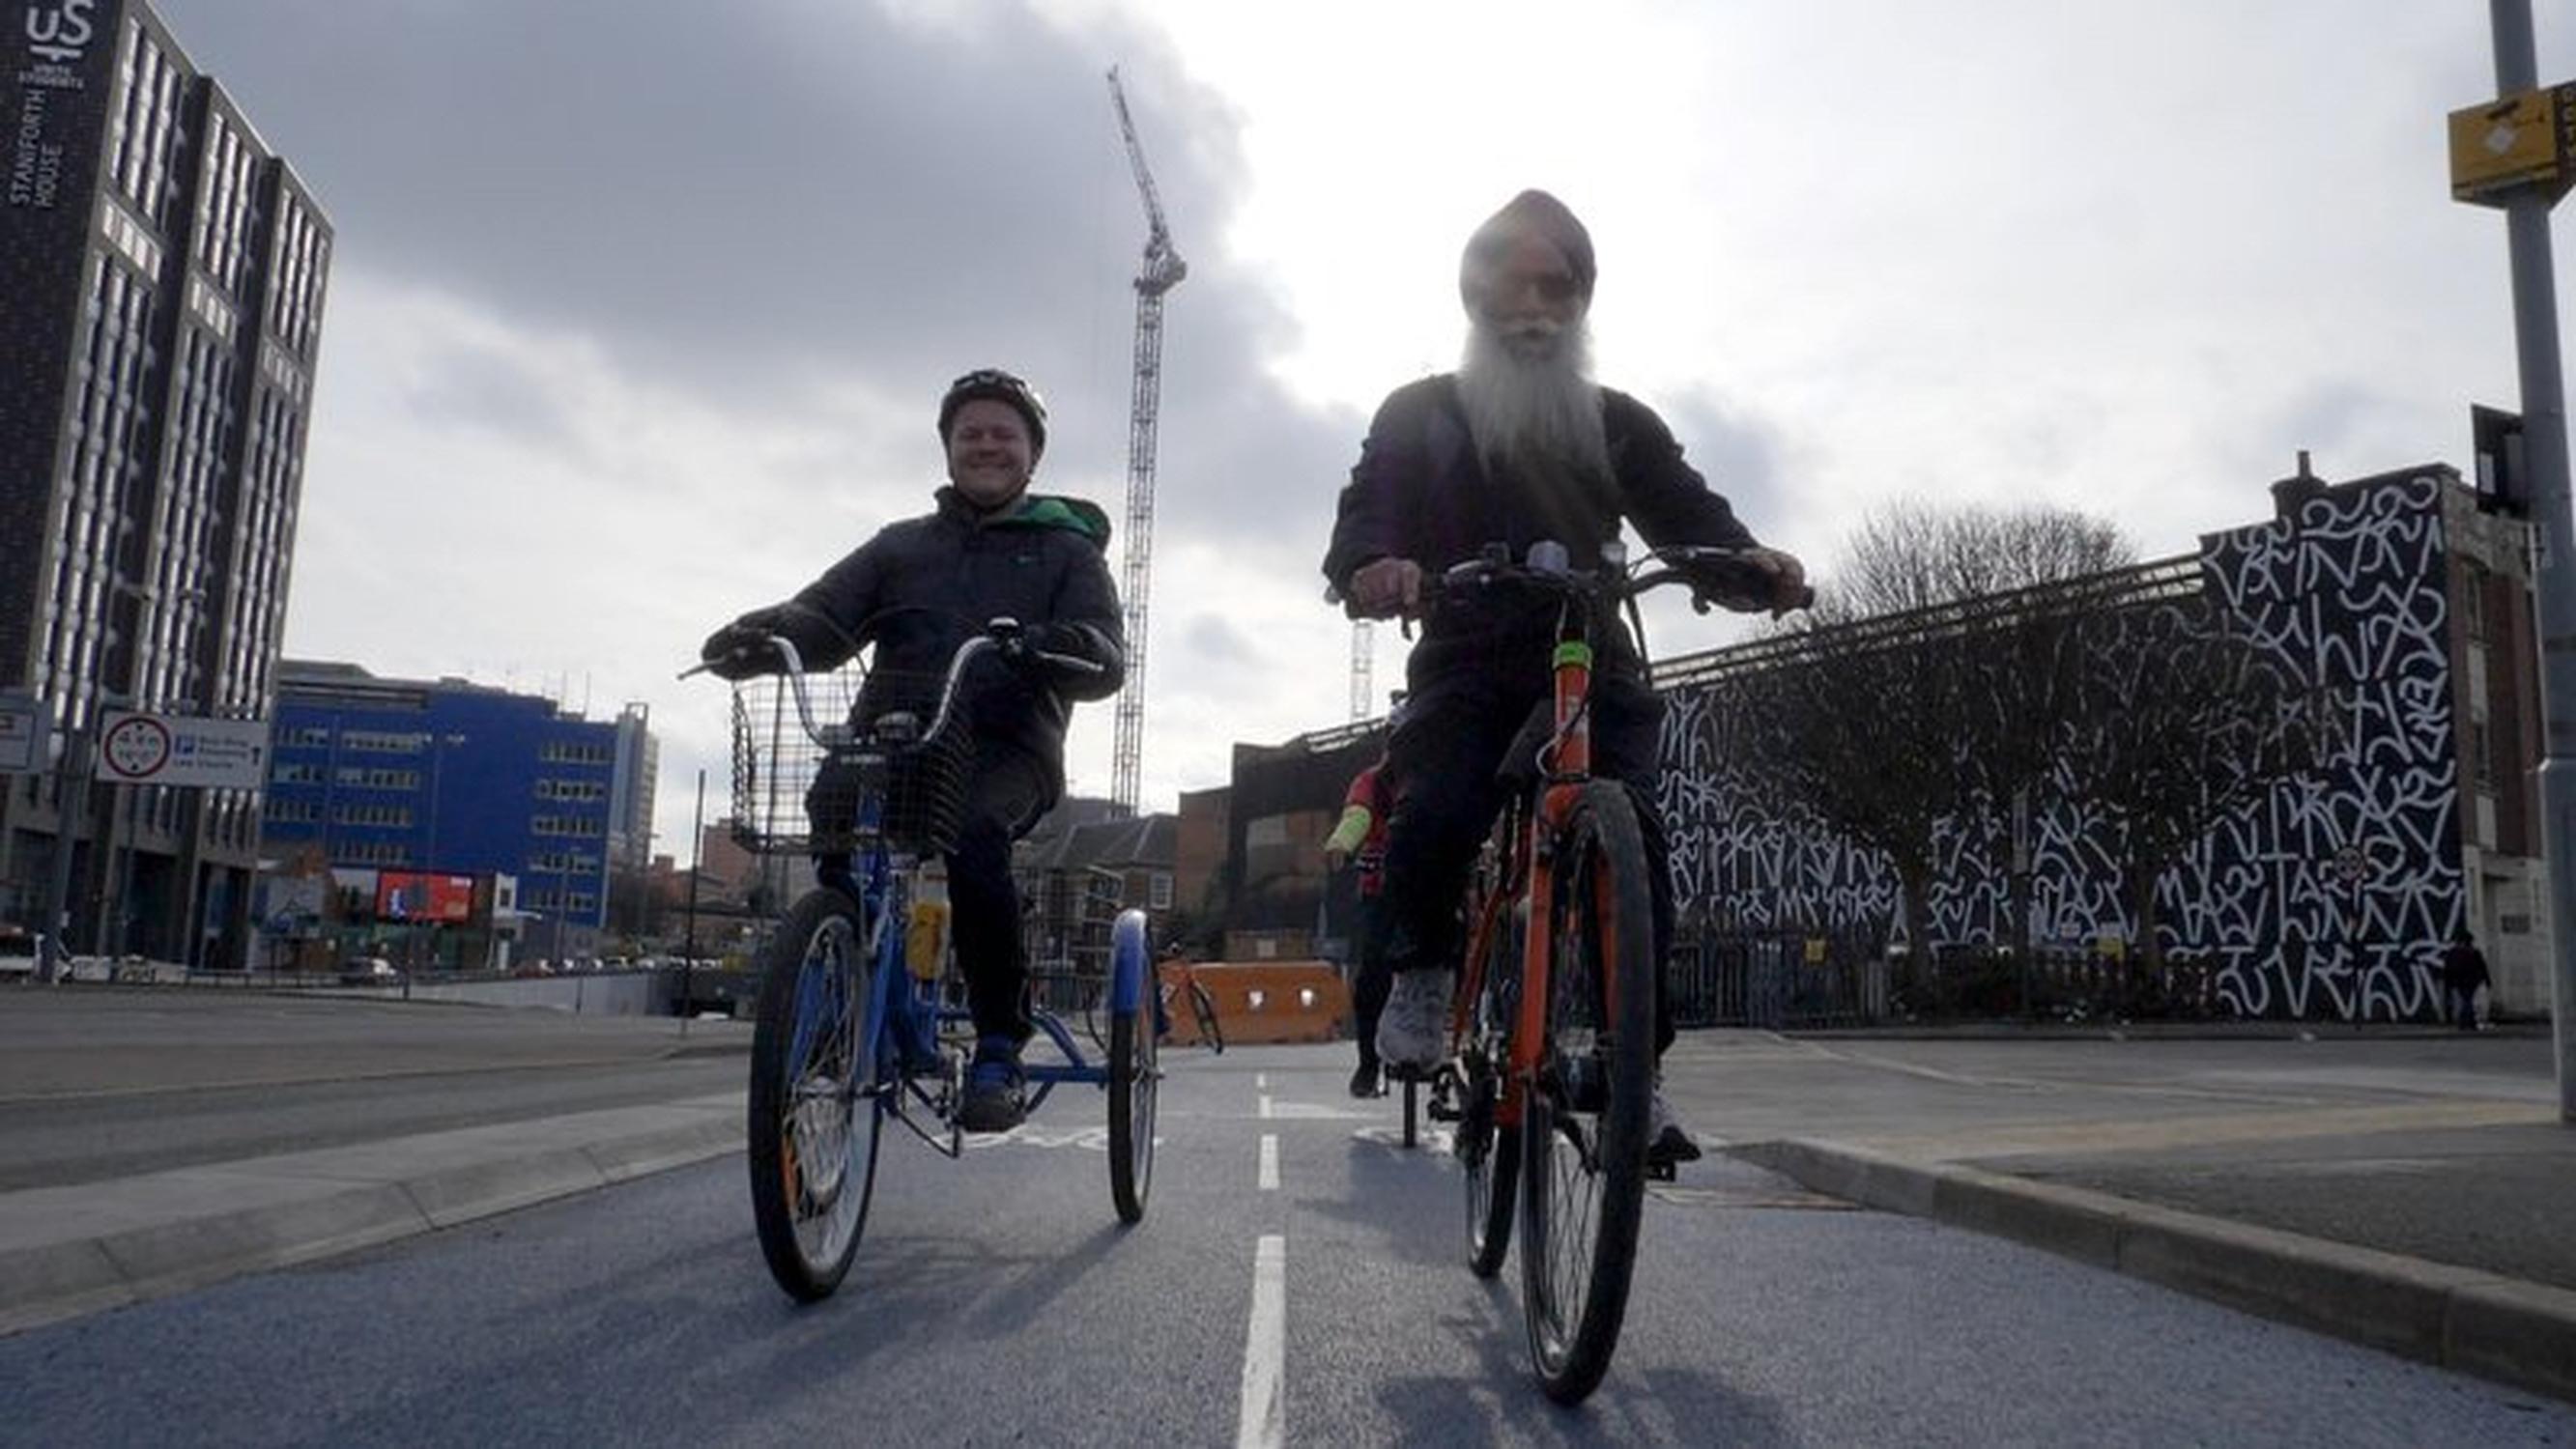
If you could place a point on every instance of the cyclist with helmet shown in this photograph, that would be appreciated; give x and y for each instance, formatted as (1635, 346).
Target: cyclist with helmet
(989, 548)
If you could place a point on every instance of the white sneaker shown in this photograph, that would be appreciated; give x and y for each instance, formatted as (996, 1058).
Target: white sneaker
(1666, 1140)
(1415, 1024)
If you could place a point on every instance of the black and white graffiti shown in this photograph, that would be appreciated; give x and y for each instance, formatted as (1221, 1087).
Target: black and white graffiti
(2326, 897)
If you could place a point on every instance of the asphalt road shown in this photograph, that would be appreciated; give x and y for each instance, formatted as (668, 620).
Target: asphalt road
(997, 1301)
(103, 1084)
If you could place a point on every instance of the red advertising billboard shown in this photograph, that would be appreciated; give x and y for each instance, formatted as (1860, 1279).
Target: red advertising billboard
(403, 895)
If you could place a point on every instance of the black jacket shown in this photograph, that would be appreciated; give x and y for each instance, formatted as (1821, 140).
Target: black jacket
(923, 586)
(1422, 491)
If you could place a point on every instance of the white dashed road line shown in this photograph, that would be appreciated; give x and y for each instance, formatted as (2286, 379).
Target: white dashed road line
(1263, 1422)
(1269, 1162)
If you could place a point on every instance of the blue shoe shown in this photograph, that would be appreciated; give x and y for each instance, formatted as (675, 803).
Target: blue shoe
(996, 1088)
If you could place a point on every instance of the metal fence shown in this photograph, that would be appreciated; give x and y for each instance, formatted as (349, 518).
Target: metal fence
(1791, 982)
(1776, 982)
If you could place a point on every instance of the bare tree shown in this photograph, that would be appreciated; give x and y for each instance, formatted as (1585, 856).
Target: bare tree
(2038, 575)
(2183, 723)
(1932, 682)
(1841, 730)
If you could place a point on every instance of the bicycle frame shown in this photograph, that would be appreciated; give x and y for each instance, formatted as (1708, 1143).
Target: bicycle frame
(1528, 875)
(900, 1024)
(905, 1014)
(1564, 767)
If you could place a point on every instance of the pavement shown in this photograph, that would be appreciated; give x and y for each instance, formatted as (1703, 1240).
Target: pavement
(2407, 1190)
(2410, 1191)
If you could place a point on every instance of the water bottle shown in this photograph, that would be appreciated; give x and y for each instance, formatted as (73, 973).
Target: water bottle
(925, 941)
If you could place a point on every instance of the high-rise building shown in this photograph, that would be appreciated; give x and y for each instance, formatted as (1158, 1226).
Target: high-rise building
(161, 285)
(639, 765)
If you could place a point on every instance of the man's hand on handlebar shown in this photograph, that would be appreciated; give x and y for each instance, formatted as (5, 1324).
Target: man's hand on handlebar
(739, 651)
(1788, 578)
(1385, 588)
(1752, 581)
(1040, 649)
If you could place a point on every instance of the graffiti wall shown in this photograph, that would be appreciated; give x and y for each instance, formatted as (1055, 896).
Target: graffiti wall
(2326, 897)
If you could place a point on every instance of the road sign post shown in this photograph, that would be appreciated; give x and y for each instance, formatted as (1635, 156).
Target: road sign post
(2518, 153)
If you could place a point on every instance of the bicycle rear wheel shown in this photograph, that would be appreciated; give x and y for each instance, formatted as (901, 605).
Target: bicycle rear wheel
(1584, 1123)
(1490, 1155)
(1133, 1076)
(813, 1137)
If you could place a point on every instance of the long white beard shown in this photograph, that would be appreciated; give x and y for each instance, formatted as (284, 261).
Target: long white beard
(1530, 412)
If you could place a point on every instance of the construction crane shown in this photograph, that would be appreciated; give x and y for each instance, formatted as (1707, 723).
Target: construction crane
(1363, 668)
(1162, 271)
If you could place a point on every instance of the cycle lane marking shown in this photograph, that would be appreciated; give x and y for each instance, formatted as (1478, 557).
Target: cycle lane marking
(1262, 1422)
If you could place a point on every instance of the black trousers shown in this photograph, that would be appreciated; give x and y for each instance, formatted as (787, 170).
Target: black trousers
(2463, 1002)
(1369, 978)
(1457, 732)
(1011, 788)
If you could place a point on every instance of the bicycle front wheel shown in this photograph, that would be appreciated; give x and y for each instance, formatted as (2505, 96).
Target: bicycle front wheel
(813, 1133)
(1584, 1117)
(1133, 1076)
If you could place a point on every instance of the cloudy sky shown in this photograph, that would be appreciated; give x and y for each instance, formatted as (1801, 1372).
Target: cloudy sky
(641, 307)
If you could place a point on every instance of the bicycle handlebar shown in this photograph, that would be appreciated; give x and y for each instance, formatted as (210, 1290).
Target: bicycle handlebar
(1615, 579)
(1003, 633)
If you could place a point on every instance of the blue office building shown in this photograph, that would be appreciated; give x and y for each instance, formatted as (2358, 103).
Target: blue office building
(448, 778)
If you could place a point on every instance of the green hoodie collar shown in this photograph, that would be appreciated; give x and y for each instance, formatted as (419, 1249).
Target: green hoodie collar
(1038, 510)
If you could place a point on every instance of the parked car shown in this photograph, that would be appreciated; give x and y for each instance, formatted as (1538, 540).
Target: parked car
(368, 971)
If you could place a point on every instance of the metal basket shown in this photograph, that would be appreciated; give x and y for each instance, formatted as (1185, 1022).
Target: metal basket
(793, 795)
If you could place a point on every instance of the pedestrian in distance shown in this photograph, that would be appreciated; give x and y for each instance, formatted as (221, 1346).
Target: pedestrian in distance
(1519, 445)
(2464, 971)
(916, 591)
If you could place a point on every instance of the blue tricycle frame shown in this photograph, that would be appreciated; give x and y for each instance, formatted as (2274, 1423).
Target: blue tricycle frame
(825, 1079)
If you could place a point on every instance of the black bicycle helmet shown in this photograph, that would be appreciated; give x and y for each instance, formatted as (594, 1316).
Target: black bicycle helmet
(1001, 387)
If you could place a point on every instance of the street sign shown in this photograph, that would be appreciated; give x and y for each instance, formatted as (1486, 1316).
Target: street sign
(2510, 146)
(25, 725)
(175, 749)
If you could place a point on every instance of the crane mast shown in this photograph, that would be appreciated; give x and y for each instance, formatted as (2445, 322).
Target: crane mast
(1363, 669)
(1162, 270)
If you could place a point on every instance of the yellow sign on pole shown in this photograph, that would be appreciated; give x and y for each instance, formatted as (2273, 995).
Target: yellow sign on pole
(2518, 143)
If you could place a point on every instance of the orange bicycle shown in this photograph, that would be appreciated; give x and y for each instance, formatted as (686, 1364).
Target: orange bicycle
(1550, 1076)
(1180, 980)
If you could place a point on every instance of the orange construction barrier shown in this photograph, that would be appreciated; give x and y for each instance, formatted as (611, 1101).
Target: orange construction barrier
(1260, 1001)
